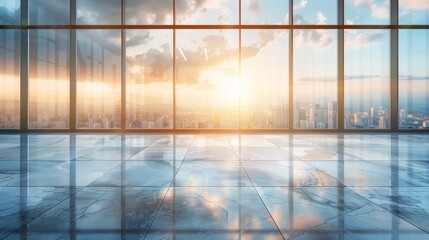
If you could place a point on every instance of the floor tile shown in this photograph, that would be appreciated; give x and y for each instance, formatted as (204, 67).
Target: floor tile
(163, 154)
(327, 213)
(211, 174)
(100, 210)
(409, 203)
(215, 153)
(376, 173)
(140, 174)
(282, 173)
(205, 210)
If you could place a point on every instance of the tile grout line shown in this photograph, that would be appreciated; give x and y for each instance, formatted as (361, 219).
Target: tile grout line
(169, 187)
(370, 201)
(40, 215)
(253, 185)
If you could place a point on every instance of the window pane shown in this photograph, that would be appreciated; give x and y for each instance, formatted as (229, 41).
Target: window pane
(366, 12)
(98, 12)
(265, 12)
(49, 79)
(149, 78)
(207, 78)
(367, 79)
(314, 12)
(98, 78)
(9, 79)
(315, 78)
(10, 12)
(149, 12)
(207, 12)
(413, 12)
(264, 79)
(49, 12)
(414, 79)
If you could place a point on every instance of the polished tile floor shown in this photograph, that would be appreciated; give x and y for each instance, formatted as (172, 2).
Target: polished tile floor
(213, 186)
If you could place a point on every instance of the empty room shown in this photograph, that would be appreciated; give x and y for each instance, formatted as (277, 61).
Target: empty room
(214, 119)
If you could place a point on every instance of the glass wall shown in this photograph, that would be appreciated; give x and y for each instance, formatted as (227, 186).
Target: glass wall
(98, 12)
(367, 79)
(414, 78)
(264, 91)
(414, 12)
(49, 12)
(265, 12)
(180, 64)
(98, 64)
(207, 12)
(315, 12)
(366, 12)
(10, 12)
(9, 78)
(49, 79)
(207, 78)
(315, 71)
(149, 75)
(140, 12)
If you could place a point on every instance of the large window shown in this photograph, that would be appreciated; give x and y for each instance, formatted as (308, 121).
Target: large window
(315, 12)
(207, 78)
(49, 79)
(366, 12)
(264, 92)
(49, 12)
(226, 64)
(9, 79)
(10, 13)
(207, 12)
(414, 79)
(315, 78)
(367, 79)
(149, 78)
(98, 63)
(414, 12)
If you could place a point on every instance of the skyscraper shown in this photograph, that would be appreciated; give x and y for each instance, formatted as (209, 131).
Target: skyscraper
(332, 114)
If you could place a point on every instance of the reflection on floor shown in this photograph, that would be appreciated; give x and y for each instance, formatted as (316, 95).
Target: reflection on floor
(134, 186)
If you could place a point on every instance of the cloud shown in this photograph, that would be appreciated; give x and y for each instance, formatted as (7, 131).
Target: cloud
(300, 5)
(318, 79)
(409, 5)
(138, 39)
(153, 63)
(349, 22)
(355, 77)
(299, 19)
(94, 11)
(188, 11)
(360, 77)
(149, 11)
(362, 2)
(316, 39)
(415, 78)
(321, 19)
(215, 44)
(219, 52)
(266, 37)
(354, 40)
(222, 18)
(380, 10)
(253, 5)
